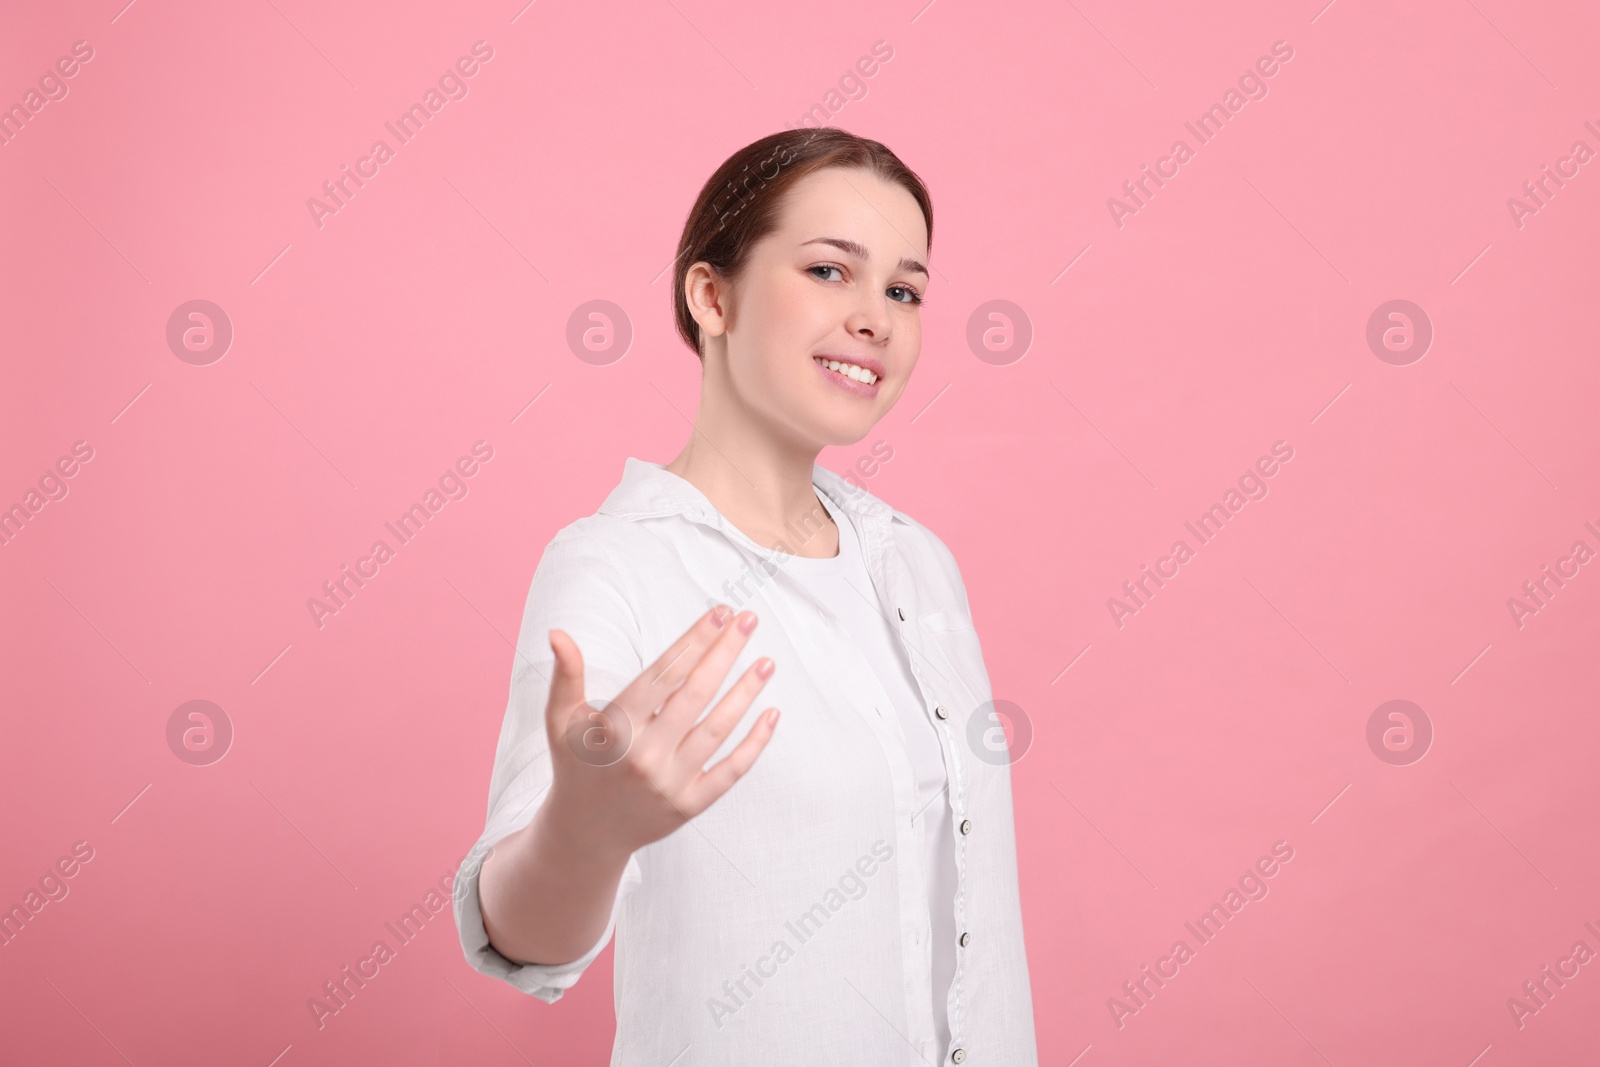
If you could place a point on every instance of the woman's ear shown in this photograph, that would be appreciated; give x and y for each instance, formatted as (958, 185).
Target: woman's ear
(707, 294)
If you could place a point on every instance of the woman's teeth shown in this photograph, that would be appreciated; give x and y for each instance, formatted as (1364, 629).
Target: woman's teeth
(849, 370)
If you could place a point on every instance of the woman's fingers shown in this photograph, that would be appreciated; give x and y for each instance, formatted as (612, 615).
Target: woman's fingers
(720, 778)
(657, 681)
(708, 734)
(656, 781)
(684, 706)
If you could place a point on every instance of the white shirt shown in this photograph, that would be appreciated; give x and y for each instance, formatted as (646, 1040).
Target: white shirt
(789, 922)
(843, 585)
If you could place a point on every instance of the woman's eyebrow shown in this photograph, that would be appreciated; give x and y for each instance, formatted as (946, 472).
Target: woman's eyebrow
(855, 248)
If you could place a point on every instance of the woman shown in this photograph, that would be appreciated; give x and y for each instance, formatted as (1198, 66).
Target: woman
(845, 889)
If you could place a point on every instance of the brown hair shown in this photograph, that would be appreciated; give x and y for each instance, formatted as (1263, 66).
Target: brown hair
(738, 205)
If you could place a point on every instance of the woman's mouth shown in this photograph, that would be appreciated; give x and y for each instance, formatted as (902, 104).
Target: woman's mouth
(848, 376)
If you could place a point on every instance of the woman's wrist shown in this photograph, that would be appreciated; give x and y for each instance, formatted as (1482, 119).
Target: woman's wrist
(569, 836)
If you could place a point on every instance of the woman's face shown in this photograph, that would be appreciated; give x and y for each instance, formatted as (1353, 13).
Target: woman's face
(839, 279)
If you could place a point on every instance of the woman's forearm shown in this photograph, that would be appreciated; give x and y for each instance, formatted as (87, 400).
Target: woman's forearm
(546, 893)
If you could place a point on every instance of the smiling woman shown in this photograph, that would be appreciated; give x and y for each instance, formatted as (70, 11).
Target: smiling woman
(825, 258)
(799, 286)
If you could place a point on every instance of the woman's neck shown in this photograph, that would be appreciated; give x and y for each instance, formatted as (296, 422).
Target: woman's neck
(764, 490)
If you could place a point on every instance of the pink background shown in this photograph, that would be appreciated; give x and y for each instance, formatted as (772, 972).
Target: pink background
(1167, 354)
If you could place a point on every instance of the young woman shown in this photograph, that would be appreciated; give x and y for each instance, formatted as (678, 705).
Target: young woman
(840, 889)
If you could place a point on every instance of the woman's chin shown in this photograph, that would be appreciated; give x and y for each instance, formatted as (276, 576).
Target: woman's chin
(843, 434)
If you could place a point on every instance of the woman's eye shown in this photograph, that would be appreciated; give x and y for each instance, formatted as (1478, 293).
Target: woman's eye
(911, 297)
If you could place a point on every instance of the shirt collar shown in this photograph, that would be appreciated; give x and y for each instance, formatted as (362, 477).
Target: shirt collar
(648, 490)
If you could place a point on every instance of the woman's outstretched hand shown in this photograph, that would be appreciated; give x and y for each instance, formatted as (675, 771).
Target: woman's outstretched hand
(626, 774)
(623, 775)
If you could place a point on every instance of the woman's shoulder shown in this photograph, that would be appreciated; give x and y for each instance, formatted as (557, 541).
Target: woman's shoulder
(617, 552)
(598, 529)
(606, 541)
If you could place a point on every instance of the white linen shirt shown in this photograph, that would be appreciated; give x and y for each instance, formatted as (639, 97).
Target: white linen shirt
(788, 922)
(845, 588)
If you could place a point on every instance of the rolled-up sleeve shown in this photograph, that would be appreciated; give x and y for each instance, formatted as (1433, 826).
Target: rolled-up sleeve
(581, 588)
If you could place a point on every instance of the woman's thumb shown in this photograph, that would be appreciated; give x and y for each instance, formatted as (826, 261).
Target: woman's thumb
(566, 678)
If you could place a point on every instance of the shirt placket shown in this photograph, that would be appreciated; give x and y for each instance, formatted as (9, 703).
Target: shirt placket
(828, 649)
(893, 589)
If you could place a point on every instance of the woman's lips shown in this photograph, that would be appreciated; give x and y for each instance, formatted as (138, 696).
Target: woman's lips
(848, 384)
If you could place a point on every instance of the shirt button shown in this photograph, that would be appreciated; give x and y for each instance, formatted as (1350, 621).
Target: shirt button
(966, 826)
(902, 612)
(940, 712)
(958, 1056)
(965, 937)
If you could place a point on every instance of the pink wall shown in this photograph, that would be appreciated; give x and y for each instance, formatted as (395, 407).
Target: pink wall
(1173, 342)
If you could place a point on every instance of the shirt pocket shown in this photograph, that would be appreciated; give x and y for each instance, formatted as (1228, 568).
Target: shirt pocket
(951, 631)
(942, 621)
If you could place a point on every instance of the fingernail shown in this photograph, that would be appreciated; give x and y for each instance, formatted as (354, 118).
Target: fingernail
(764, 668)
(719, 615)
(748, 623)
